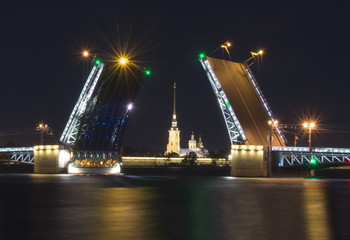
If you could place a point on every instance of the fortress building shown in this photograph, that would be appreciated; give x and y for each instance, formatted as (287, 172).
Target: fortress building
(173, 145)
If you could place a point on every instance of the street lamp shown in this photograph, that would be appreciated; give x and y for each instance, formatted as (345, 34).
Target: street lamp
(85, 54)
(309, 126)
(254, 54)
(226, 45)
(273, 124)
(43, 128)
(123, 61)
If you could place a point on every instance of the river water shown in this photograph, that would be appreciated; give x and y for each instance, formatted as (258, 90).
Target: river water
(172, 207)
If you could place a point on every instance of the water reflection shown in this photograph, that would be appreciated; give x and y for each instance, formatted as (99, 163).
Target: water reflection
(127, 213)
(130, 207)
(317, 221)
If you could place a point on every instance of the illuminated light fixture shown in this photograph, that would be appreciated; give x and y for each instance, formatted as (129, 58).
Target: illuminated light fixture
(129, 107)
(313, 161)
(226, 44)
(147, 72)
(272, 123)
(260, 52)
(86, 53)
(98, 61)
(201, 55)
(260, 147)
(123, 61)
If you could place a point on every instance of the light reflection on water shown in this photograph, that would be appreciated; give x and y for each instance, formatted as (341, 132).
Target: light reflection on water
(130, 207)
(316, 216)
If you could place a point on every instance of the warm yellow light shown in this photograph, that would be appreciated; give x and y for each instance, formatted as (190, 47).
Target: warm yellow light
(275, 122)
(228, 44)
(123, 60)
(309, 124)
(86, 53)
(258, 53)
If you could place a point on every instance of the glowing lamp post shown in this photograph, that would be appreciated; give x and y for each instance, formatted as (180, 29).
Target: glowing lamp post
(226, 45)
(309, 126)
(273, 124)
(254, 54)
(85, 54)
(123, 61)
(43, 128)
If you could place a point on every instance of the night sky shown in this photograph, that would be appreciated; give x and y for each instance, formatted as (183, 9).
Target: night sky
(304, 72)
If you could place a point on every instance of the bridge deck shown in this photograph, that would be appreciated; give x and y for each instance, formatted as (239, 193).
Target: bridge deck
(245, 100)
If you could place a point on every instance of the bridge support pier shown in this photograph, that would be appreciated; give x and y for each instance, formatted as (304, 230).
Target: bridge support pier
(249, 161)
(50, 159)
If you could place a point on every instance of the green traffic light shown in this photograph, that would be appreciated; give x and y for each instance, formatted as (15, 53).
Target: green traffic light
(147, 72)
(98, 61)
(201, 55)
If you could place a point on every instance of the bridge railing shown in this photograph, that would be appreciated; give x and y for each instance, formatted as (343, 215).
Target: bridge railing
(17, 154)
(289, 156)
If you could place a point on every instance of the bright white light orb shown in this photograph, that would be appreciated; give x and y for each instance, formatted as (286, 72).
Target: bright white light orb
(129, 106)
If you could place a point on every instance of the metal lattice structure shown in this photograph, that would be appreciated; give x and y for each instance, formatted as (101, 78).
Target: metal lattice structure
(289, 156)
(96, 125)
(70, 133)
(234, 127)
(17, 154)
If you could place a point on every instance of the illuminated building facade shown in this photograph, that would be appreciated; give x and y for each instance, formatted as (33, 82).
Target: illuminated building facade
(173, 145)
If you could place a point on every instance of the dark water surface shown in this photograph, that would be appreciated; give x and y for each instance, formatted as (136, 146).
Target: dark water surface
(159, 207)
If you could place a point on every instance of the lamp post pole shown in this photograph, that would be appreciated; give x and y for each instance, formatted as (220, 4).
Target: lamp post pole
(309, 126)
(43, 128)
(310, 148)
(272, 124)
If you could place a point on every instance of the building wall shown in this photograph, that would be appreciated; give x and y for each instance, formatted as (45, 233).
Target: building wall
(249, 161)
(50, 159)
(174, 141)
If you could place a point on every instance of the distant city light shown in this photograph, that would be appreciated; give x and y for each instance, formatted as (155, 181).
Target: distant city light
(201, 55)
(86, 53)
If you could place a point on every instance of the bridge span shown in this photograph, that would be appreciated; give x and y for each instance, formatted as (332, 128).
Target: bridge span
(283, 156)
(93, 134)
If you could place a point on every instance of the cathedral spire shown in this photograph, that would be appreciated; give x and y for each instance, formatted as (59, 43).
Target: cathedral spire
(174, 133)
(174, 122)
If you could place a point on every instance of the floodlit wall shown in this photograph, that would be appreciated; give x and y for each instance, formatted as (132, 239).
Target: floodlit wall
(249, 161)
(50, 159)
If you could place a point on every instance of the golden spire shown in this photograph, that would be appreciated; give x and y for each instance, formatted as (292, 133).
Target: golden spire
(174, 122)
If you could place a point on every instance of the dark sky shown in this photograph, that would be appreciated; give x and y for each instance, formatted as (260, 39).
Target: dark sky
(304, 73)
